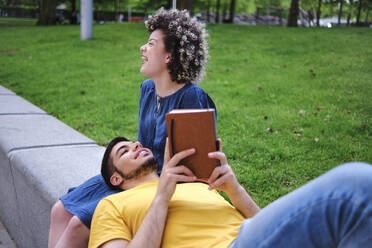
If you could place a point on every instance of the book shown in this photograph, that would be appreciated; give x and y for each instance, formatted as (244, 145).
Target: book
(193, 128)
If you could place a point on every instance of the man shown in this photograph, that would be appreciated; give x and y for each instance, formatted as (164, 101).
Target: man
(334, 210)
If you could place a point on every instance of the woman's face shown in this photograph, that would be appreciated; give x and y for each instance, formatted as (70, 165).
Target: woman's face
(155, 58)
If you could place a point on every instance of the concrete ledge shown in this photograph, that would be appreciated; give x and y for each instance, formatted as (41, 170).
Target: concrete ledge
(13, 104)
(40, 158)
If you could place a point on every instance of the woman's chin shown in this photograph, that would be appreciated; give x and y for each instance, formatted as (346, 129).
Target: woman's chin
(144, 72)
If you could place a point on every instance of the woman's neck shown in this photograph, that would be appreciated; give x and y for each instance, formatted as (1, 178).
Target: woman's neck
(165, 86)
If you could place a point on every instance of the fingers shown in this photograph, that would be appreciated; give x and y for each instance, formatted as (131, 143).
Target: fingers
(218, 155)
(178, 157)
(219, 144)
(166, 151)
(180, 173)
(220, 181)
(216, 173)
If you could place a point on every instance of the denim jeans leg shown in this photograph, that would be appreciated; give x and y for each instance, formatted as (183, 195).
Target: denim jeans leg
(334, 210)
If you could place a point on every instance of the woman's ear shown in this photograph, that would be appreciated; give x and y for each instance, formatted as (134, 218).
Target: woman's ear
(116, 179)
(168, 58)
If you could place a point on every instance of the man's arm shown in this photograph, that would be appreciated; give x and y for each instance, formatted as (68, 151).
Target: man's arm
(152, 227)
(223, 178)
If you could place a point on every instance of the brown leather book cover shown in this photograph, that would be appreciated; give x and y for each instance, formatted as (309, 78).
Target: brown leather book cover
(193, 128)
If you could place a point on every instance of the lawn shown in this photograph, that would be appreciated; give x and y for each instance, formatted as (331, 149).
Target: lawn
(292, 103)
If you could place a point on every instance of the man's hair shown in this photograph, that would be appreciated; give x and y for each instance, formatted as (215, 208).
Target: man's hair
(184, 38)
(107, 167)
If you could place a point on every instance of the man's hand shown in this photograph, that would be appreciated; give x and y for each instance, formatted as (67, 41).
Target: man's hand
(173, 173)
(223, 178)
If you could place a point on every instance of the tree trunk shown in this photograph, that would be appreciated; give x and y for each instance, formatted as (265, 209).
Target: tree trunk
(293, 14)
(318, 12)
(340, 12)
(366, 19)
(73, 5)
(116, 6)
(257, 14)
(350, 12)
(224, 12)
(358, 14)
(47, 12)
(11, 2)
(218, 5)
(73, 18)
(232, 11)
(209, 11)
(187, 4)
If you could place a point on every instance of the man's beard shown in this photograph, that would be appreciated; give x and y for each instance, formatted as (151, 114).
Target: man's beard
(150, 165)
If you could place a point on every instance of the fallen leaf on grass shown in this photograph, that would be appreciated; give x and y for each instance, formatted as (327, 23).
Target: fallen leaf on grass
(9, 51)
(327, 118)
(319, 108)
(302, 112)
(316, 139)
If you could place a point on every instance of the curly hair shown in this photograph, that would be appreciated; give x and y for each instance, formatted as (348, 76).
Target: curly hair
(184, 38)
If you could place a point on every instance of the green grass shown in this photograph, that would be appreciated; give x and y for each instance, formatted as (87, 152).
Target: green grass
(14, 22)
(253, 72)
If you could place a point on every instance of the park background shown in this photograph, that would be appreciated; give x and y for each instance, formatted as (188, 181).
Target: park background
(292, 103)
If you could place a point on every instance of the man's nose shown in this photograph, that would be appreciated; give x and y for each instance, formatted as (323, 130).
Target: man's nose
(136, 145)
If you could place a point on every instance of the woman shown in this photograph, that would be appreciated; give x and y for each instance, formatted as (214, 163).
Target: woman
(174, 58)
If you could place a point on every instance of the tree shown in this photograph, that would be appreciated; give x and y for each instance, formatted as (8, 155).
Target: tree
(73, 5)
(232, 11)
(340, 12)
(318, 12)
(358, 14)
(47, 12)
(293, 14)
(367, 6)
(208, 10)
(116, 7)
(187, 4)
(350, 12)
(218, 5)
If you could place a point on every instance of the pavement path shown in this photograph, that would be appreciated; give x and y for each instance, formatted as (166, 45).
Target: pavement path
(5, 240)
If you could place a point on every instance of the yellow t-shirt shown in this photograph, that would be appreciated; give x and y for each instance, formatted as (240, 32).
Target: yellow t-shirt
(197, 217)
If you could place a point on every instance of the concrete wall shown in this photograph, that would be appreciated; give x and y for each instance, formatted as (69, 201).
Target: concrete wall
(40, 158)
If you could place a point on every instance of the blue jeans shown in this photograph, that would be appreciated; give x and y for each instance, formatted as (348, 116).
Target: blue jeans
(334, 210)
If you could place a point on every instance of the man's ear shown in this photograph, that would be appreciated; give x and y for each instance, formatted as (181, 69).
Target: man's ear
(116, 179)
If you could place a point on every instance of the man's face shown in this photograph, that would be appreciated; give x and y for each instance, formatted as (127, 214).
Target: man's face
(131, 160)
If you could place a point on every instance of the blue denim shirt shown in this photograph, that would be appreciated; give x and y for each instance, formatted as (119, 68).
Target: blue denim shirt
(152, 131)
